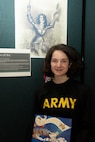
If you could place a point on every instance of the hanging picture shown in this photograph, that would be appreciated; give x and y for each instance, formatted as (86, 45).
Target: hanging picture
(39, 25)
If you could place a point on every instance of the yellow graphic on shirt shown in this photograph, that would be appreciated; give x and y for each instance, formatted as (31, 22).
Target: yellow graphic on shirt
(43, 121)
(59, 103)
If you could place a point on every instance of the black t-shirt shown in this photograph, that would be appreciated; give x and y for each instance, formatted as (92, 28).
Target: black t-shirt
(71, 100)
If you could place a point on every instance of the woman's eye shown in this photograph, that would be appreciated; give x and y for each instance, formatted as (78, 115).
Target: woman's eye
(54, 60)
(64, 61)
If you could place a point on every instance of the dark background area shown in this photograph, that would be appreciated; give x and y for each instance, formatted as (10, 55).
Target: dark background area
(17, 93)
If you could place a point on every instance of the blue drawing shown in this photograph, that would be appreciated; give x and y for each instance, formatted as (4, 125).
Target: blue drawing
(40, 26)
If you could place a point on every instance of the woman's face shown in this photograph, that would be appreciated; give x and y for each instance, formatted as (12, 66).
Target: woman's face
(59, 63)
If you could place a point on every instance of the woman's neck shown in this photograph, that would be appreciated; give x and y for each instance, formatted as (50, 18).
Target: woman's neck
(60, 79)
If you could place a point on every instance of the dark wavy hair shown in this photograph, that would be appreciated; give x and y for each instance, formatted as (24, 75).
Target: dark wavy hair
(74, 58)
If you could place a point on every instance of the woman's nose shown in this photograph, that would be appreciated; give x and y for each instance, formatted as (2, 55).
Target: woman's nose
(58, 63)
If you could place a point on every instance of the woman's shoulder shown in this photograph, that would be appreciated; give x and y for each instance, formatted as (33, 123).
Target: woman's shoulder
(82, 87)
(44, 86)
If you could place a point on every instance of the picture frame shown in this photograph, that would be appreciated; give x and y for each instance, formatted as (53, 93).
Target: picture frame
(39, 26)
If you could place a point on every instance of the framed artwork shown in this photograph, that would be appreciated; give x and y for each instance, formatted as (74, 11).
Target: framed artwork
(40, 24)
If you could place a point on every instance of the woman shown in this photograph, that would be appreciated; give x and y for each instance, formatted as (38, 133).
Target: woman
(64, 96)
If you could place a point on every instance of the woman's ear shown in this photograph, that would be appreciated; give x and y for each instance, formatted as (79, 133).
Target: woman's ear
(70, 64)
